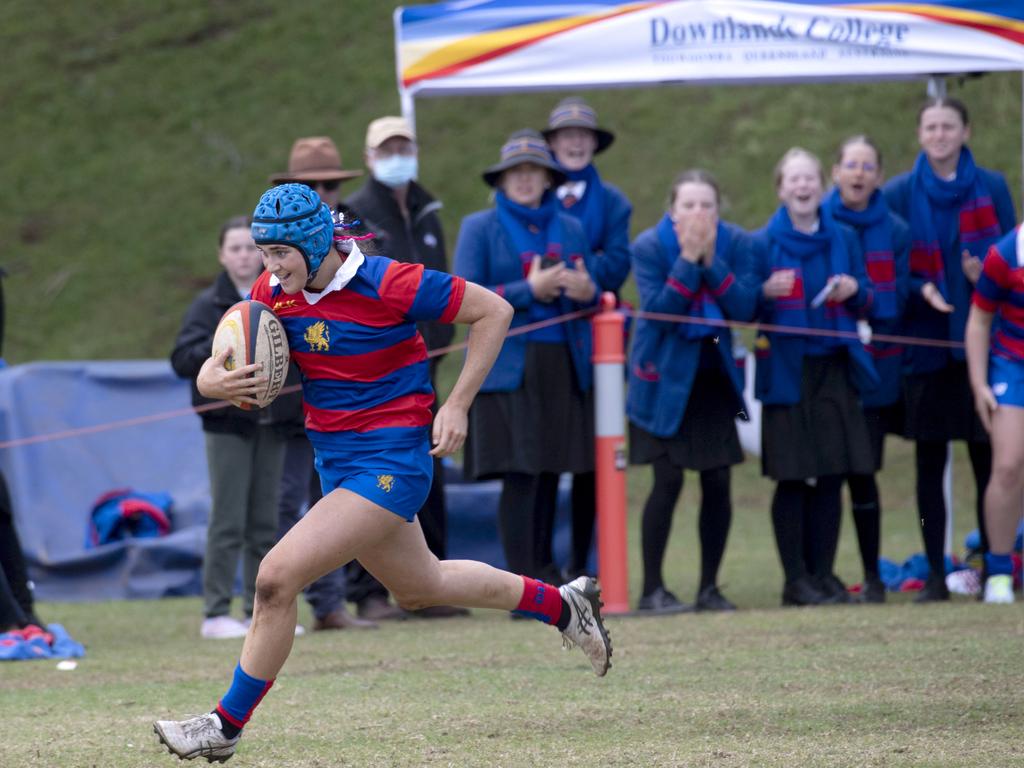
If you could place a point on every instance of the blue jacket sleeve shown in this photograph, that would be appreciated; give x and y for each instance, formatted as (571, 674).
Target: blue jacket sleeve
(663, 288)
(734, 284)
(612, 257)
(863, 298)
(1003, 202)
(901, 261)
(475, 253)
(760, 271)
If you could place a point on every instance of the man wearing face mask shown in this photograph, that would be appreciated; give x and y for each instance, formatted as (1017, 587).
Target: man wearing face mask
(404, 217)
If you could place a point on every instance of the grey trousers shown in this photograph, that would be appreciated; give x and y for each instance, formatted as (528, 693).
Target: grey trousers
(245, 473)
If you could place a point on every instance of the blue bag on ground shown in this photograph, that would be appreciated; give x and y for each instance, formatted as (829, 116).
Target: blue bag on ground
(124, 513)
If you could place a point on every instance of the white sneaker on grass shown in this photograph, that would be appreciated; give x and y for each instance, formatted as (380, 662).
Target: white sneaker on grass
(196, 737)
(999, 589)
(586, 629)
(221, 628)
(299, 629)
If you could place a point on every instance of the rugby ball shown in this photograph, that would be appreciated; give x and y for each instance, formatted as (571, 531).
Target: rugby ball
(255, 335)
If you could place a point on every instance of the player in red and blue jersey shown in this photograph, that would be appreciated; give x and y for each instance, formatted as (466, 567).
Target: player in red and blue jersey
(995, 360)
(350, 320)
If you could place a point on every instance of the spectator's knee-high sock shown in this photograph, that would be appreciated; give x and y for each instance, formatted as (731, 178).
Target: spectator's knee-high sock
(715, 520)
(516, 516)
(543, 602)
(867, 519)
(788, 522)
(824, 514)
(656, 523)
(584, 501)
(242, 698)
(930, 457)
(981, 462)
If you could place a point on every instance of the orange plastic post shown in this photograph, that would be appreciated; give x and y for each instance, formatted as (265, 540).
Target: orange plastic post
(609, 420)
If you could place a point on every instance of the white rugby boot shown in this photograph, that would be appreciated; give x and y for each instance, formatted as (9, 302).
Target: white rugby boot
(586, 629)
(196, 737)
(999, 589)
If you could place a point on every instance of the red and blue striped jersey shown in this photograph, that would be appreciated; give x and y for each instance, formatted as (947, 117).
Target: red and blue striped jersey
(1000, 290)
(364, 366)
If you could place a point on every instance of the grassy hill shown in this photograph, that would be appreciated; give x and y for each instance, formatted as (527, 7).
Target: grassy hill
(131, 131)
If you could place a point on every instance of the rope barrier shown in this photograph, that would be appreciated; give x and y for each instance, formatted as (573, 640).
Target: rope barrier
(519, 330)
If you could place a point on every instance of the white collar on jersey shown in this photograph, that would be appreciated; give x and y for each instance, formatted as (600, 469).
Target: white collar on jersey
(1020, 247)
(345, 273)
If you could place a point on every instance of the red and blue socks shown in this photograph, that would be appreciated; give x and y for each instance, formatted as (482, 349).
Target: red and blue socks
(242, 698)
(543, 602)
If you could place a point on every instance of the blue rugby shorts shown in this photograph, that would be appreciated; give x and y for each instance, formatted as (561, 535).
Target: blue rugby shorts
(397, 477)
(1006, 378)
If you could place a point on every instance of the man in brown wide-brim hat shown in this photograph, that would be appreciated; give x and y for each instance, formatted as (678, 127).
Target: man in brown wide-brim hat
(316, 162)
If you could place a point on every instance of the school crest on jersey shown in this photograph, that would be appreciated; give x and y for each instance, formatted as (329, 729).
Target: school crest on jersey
(318, 337)
(386, 482)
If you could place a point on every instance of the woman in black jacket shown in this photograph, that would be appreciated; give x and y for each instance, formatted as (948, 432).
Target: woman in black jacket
(244, 449)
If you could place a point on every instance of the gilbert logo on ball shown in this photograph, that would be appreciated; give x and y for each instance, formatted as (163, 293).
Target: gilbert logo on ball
(255, 335)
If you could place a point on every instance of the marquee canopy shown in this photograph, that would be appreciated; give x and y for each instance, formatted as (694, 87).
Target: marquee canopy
(489, 46)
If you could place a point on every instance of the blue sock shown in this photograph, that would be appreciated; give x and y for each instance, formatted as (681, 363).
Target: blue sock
(998, 565)
(238, 703)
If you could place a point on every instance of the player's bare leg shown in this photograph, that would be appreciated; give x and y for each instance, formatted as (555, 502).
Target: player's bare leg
(1003, 498)
(330, 535)
(417, 579)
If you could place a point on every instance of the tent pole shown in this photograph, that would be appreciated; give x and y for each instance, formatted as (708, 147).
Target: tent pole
(408, 108)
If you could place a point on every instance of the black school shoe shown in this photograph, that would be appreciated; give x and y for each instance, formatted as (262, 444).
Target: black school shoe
(802, 591)
(935, 591)
(661, 601)
(873, 590)
(834, 590)
(710, 599)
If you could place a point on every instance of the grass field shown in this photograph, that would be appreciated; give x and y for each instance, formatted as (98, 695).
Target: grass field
(894, 685)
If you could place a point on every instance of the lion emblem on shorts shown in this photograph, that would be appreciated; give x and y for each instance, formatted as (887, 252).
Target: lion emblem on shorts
(386, 482)
(318, 337)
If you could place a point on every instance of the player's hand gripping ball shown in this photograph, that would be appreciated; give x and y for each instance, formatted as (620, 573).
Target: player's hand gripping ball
(255, 335)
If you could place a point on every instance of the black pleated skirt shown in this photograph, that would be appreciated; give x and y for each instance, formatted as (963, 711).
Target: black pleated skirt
(547, 425)
(940, 406)
(707, 437)
(824, 434)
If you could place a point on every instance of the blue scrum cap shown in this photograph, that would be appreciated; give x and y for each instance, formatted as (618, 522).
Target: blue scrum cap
(292, 214)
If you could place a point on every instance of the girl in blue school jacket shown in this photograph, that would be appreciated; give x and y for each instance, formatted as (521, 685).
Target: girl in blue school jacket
(813, 431)
(884, 239)
(533, 418)
(685, 389)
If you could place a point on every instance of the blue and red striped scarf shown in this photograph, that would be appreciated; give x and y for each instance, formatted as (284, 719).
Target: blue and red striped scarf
(703, 303)
(789, 249)
(589, 209)
(873, 228)
(979, 224)
(535, 232)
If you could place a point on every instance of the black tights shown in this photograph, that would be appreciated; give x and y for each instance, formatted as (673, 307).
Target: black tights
(584, 507)
(526, 521)
(16, 603)
(713, 525)
(867, 519)
(806, 522)
(931, 506)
